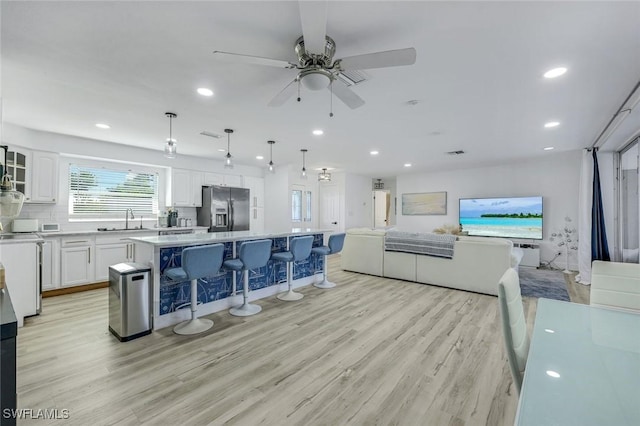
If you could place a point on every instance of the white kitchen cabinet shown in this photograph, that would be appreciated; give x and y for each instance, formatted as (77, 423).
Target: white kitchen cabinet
(186, 188)
(110, 254)
(210, 178)
(20, 262)
(50, 264)
(256, 219)
(44, 177)
(19, 167)
(256, 190)
(77, 258)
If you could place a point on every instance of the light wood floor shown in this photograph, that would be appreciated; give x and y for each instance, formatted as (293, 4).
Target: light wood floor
(370, 351)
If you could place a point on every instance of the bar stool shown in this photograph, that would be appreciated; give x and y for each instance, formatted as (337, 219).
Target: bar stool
(252, 255)
(197, 262)
(299, 249)
(336, 241)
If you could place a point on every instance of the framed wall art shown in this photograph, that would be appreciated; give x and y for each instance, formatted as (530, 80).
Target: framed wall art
(425, 203)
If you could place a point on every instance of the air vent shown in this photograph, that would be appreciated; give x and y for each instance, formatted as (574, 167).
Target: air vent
(210, 134)
(459, 152)
(352, 77)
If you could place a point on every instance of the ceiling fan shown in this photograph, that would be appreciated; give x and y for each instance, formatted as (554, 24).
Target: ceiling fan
(316, 67)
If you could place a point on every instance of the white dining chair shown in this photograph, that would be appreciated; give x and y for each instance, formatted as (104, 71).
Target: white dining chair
(615, 285)
(514, 326)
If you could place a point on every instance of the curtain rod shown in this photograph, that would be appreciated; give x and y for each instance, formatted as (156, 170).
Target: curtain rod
(610, 127)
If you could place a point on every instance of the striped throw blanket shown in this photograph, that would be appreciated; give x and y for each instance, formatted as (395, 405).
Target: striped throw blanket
(439, 245)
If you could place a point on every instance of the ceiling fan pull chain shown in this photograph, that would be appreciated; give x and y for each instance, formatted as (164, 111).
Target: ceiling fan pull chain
(331, 100)
(299, 90)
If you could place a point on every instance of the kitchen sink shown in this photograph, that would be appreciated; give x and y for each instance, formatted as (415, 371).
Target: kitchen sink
(123, 229)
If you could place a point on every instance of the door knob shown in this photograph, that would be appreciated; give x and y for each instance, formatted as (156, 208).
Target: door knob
(334, 223)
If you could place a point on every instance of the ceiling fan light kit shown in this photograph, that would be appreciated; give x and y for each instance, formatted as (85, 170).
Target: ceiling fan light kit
(170, 148)
(316, 67)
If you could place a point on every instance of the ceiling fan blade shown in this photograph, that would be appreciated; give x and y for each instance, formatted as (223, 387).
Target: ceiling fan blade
(389, 58)
(313, 16)
(346, 95)
(284, 94)
(255, 60)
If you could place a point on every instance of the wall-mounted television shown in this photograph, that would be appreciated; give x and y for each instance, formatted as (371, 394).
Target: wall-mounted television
(507, 217)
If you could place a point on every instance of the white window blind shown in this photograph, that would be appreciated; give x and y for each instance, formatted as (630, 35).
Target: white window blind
(106, 193)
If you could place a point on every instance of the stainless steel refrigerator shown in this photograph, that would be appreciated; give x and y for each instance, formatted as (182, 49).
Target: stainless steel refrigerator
(224, 209)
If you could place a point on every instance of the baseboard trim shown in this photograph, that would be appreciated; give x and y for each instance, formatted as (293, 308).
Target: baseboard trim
(75, 289)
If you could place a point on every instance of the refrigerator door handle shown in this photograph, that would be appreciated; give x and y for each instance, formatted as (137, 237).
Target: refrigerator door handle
(231, 212)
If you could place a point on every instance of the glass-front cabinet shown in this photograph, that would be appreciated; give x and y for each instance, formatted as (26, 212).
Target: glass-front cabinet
(17, 168)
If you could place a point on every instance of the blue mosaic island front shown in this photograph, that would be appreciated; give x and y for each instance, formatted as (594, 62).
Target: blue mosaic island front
(171, 300)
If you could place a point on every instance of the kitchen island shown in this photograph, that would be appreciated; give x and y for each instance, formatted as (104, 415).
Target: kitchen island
(171, 300)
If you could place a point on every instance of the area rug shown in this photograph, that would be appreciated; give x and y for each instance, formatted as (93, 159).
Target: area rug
(545, 283)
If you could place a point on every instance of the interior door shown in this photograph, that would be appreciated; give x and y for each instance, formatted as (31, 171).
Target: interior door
(380, 209)
(330, 208)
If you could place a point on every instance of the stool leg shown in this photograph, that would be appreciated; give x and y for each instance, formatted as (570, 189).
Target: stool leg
(290, 296)
(325, 283)
(195, 325)
(246, 309)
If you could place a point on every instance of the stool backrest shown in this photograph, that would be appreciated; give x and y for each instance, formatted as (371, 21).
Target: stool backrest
(336, 241)
(255, 254)
(202, 261)
(300, 247)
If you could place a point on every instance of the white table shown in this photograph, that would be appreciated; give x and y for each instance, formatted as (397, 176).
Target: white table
(583, 367)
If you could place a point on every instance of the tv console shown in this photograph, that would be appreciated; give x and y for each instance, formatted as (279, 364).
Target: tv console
(531, 255)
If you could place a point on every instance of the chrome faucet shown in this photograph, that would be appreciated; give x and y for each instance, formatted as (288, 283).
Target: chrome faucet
(126, 218)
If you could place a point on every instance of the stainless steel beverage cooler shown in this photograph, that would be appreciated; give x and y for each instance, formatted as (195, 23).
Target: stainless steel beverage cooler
(130, 313)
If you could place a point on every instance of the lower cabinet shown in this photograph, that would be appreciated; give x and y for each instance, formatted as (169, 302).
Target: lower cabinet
(77, 258)
(110, 254)
(50, 264)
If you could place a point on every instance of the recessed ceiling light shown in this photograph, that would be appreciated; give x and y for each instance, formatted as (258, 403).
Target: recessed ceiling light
(374, 153)
(548, 148)
(553, 374)
(102, 126)
(259, 157)
(551, 124)
(555, 72)
(407, 164)
(318, 132)
(205, 92)
(222, 150)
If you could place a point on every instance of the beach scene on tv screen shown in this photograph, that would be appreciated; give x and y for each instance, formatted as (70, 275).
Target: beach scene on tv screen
(518, 217)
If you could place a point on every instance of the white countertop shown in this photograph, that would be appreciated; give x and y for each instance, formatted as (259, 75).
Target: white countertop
(20, 238)
(218, 237)
(118, 232)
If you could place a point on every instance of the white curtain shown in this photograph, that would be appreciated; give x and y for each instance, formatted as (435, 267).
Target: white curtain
(585, 198)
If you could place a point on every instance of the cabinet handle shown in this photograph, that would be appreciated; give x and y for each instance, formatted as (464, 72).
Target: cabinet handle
(89, 248)
(255, 213)
(79, 241)
(255, 201)
(133, 251)
(128, 252)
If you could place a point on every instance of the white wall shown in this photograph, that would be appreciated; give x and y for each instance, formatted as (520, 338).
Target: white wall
(555, 177)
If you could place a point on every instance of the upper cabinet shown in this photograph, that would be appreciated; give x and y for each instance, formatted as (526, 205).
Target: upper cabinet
(222, 180)
(35, 174)
(44, 177)
(186, 188)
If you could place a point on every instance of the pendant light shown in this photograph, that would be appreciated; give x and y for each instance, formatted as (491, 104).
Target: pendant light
(303, 174)
(324, 176)
(170, 149)
(272, 168)
(228, 164)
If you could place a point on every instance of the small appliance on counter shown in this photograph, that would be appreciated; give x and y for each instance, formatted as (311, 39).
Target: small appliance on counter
(50, 227)
(24, 225)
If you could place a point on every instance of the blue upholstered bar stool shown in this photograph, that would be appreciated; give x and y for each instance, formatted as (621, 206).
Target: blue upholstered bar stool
(197, 262)
(336, 241)
(252, 255)
(299, 249)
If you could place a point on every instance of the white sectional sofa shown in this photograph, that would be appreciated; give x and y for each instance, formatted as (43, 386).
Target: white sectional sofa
(477, 263)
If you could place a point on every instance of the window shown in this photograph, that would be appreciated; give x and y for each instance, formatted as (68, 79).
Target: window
(100, 193)
(296, 205)
(307, 210)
